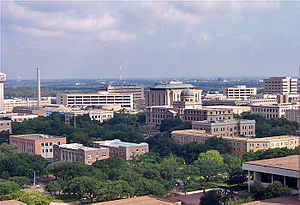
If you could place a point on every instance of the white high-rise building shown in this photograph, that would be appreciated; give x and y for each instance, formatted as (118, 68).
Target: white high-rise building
(2, 80)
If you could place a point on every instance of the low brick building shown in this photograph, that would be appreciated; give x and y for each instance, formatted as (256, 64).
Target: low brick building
(78, 153)
(125, 150)
(39, 144)
(5, 125)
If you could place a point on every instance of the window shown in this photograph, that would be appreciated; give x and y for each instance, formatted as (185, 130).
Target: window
(50, 150)
(46, 144)
(58, 143)
(89, 156)
(42, 144)
(104, 154)
(50, 143)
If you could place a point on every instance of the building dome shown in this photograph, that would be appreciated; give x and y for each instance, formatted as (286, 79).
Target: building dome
(187, 93)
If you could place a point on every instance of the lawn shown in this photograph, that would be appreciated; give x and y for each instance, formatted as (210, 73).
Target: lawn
(65, 198)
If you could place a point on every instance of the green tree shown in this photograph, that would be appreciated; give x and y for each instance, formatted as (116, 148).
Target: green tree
(211, 198)
(7, 187)
(258, 190)
(186, 175)
(276, 189)
(84, 186)
(29, 197)
(218, 143)
(168, 124)
(208, 168)
(23, 182)
(53, 187)
(6, 148)
(237, 176)
(211, 155)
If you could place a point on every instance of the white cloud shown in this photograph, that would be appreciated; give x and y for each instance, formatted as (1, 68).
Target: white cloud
(39, 32)
(205, 37)
(68, 20)
(116, 35)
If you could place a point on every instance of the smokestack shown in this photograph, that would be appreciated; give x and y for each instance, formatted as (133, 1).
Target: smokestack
(38, 87)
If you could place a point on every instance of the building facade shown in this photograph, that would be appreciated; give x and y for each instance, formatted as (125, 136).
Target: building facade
(136, 90)
(293, 115)
(19, 117)
(78, 153)
(281, 85)
(39, 144)
(240, 92)
(240, 145)
(125, 150)
(284, 170)
(166, 94)
(233, 127)
(95, 114)
(95, 99)
(10, 104)
(272, 111)
(5, 125)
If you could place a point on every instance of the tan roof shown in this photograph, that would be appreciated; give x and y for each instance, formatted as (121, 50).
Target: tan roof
(11, 202)
(36, 136)
(286, 200)
(290, 162)
(142, 200)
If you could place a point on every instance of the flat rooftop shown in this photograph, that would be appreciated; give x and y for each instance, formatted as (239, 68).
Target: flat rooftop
(118, 143)
(290, 163)
(286, 200)
(76, 146)
(36, 136)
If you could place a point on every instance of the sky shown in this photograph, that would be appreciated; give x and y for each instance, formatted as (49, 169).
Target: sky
(150, 39)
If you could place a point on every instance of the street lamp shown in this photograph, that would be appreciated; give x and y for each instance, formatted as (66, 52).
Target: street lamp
(33, 176)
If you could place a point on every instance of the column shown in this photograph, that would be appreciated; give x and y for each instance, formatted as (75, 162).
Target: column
(284, 181)
(248, 181)
(272, 178)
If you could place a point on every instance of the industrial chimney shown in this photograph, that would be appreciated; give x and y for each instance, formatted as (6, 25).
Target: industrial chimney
(38, 87)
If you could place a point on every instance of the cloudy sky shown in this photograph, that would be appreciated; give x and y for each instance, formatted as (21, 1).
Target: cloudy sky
(72, 39)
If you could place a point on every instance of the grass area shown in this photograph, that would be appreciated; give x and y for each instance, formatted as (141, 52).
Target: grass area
(65, 198)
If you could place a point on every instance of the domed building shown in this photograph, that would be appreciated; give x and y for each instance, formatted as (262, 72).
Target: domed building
(187, 95)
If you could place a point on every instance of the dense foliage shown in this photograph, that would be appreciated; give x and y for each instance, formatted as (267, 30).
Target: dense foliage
(269, 154)
(123, 127)
(273, 127)
(275, 189)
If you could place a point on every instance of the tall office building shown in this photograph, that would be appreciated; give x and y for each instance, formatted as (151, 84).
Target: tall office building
(2, 80)
(240, 92)
(281, 85)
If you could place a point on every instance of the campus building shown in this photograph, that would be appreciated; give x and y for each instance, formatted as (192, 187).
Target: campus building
(94, 114)
(19, 117)
(166, 94)
(272, 111)
(240, 145)
(10, 104)
(281, 85)
(293, 115)
(5, 125)
(187, 107)
(125, 150)
(95, 99)
(240, 92)
(136, 90)
(39, 144)
(285, 170)
(78, 153)
(233, 127)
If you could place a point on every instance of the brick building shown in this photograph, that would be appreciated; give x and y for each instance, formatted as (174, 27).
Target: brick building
(125, 150)
(78, 153)
(39, 144)
(5, 125)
